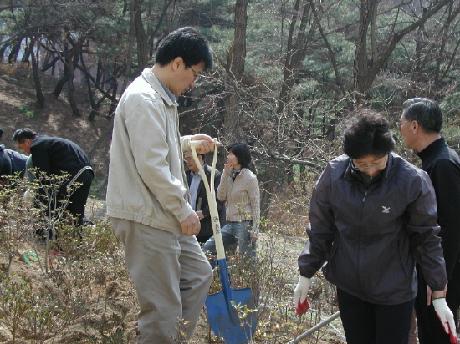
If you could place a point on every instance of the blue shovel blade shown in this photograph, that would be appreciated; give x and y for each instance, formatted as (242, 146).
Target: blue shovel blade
(223, 317)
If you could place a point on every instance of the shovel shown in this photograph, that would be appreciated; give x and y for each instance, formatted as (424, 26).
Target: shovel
(230, 312)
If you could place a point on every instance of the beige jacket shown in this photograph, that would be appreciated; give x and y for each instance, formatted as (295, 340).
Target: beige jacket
(146, 175)
(242, 197)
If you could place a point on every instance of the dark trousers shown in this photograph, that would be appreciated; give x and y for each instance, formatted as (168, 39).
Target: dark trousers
(429, 328)
(368, 323)
(79, 197)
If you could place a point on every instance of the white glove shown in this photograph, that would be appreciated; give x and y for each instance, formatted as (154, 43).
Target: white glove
(28, 198)
(301, 290)
(445, 315)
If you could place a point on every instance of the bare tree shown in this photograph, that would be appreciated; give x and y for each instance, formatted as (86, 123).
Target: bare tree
(366, 68)
(235, 69)
(296, 49)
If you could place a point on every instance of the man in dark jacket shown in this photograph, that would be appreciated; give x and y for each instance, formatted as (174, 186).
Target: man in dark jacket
(11, 162)
(199, 198)
(420, 126)
(58, 156)
(369, 210)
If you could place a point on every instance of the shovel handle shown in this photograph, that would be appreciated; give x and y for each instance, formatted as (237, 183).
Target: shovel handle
(212, 203)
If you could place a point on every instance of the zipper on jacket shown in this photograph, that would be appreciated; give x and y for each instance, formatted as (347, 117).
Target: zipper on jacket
(363, 201)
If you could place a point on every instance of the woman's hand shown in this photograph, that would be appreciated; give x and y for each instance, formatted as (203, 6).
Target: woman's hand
(228, 167)
(300, 295)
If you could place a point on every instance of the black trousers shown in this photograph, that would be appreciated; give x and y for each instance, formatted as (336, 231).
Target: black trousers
(79, 197)
(368, 323)
(429, 328)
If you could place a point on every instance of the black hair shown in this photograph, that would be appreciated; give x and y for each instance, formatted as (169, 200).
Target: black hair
(1, 133)
(23, 134)
(425, 111)
(186, 43)
(367, 133)
(242, 153)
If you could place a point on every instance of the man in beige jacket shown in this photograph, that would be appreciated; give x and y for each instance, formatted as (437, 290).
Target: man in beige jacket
(147, 197)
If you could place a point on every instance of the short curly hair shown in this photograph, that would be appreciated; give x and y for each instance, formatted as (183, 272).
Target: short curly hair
(367, 133)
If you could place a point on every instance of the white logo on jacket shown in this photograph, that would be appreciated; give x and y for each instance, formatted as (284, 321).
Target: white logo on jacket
(386, 210)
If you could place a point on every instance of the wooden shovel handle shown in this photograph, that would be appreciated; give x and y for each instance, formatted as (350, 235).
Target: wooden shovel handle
(212, 203)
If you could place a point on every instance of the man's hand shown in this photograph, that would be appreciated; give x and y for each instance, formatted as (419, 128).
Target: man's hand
(203, 143)
(191, 225)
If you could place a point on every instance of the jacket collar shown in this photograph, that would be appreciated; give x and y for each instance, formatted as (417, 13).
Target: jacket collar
(432, 149)
(157, 85)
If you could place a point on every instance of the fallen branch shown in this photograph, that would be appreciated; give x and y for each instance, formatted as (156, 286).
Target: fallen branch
(315, 328)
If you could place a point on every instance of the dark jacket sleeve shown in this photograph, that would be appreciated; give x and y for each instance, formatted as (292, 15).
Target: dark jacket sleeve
(5, 163)
(446, 181)
(423, 228)
(41, 158)
(322, 228)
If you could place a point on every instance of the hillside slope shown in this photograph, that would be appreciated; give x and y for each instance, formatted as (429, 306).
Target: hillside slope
(18, 110)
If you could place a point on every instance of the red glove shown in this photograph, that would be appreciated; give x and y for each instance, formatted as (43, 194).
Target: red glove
(453, 337)
(303, 307)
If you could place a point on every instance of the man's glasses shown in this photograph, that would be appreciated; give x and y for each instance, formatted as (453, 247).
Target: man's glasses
(196, 75)
(379, 163)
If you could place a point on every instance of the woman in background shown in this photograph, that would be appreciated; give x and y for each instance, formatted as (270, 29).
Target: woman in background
(239, 189)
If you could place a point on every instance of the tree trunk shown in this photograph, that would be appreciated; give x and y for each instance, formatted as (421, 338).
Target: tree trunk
(70, 85)
(363, 79)
(67, 61)
(47, 65)
(3, 49)
(28, 51)
(13, 55)
(114, 101)
(331, 53)
(36, 76)
(238, 51)
(295, 52)
(373, 19)
(141, 41)
(236, 58)
(153, 32)
(366, 70)
(451, 15)
(91, 95)
(420, 43)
